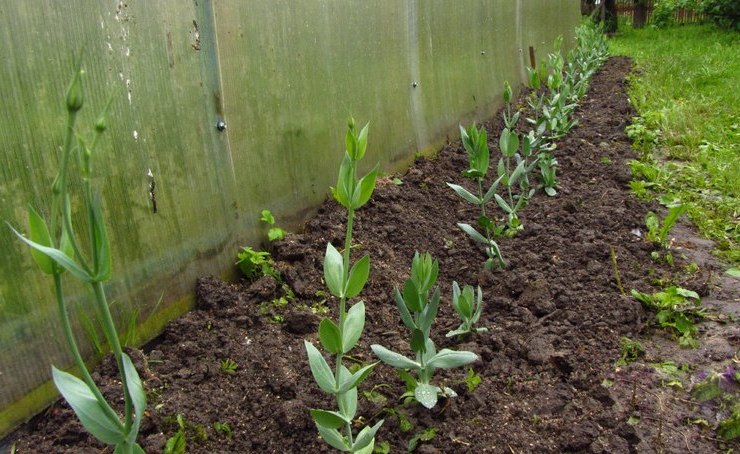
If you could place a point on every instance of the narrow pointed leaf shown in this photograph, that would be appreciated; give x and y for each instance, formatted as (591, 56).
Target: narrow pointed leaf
(366, 436)
(364, 188)
(502, 203)
(465, 194)
(347, 401)
(39, 233)
(411, 296)
(138, 397)
(88, 409)
(394, 359)
(362, 142)
(329, 419)
(58, 256)
(492, 190)
(470, 230)
(448, 359)
(345, 182)
(403, 309)
(329, 336)
(333, 270)
(320, 369)
(333, 438)
(517, 173)
(417, 341)
(358, 277)
(354, 380)
(353, 326)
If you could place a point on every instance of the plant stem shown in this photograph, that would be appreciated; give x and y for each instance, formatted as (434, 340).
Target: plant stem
(72, 343)
(111, 334)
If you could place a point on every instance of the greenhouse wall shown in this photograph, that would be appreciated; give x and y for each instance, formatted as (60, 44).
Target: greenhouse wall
(283, 75)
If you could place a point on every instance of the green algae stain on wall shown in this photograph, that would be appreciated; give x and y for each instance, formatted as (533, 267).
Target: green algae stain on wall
(282, 75)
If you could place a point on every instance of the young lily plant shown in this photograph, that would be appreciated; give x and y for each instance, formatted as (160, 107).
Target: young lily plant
(418, 311)
(469, 307)
(513, 169)
(56, 249)
(475, 142)
(345, 281)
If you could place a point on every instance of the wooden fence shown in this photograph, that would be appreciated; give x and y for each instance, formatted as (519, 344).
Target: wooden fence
(627, 9)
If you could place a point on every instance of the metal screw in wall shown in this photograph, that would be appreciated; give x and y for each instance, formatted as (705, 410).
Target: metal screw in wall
(220, 125)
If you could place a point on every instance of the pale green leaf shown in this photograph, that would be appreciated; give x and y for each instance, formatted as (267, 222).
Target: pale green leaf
(333, 438)
(394, 359)
(353, 326)
(465, 194)
(426, 394)
(58, 256)
(333, 270)
(320, 369)
(470, 230)
(358, 277)
(447, 359)
(329, 336)
(329, 419)
(366, 436)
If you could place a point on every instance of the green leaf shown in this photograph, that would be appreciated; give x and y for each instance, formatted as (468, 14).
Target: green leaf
(39, 233)
(427, 316)
(411, 296)
(329, 419)
(333, 438)
(347, 401)
(426, 394)
(364, 188)
(470, 230)
(353, 326)
(88, 409)
(687, 293)
(448, 359)
(465, 194)
(734, 272)
(345, 182)
(492, 190)
(517, 173)
(362, 142)
(418, 341)
(333, 270)
(550, 191)
(394, 359)
(357, 277)
(350, 143)
(267, 217)
(502, 203)
(58, 256)
(366, 436)
(320, 369)
(403, 309)
(329, 336)
(275, 233)
(138, 397)
(355, 379)
(508, 142)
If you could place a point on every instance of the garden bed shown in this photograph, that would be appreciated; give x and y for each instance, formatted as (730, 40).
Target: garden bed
(555, 317)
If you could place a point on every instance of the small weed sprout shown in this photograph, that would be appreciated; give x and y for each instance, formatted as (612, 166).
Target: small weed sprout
(345, 281)
(468, 306)
(228, 366)
(630, 351)
(677, 309)
(255, 264)
(418, 311)
(274, 233)
(56, 248)
(223, 428)
(657, 231)
(176, 444)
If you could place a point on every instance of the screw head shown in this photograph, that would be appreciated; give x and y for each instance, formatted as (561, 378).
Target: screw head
(220, 125)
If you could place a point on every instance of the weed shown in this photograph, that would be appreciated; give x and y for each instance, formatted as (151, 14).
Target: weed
(677, 309)
(605, 160)
(722, 387)
(223, 428)
(630, 351)
(427, 434)
(418, 311)
(255, 264)
(274, 233)
(228, 366)
(176, 444)
(472, 381)
(658, 231)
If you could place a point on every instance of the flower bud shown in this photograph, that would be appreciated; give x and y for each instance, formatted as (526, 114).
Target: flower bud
(74, 92)
(351, 123)
(101, 124)
(507, 92)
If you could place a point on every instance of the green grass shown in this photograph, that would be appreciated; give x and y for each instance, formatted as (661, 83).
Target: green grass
(687, 92)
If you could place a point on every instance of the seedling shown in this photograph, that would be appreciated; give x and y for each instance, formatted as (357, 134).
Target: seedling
(658, 231)
(468, 306)
(255, 264)
(274, 233)
(512, 170)
(475, 142)
(339, 338)
(418, 311)
(427, 434)
(677, 309)
(722, 388)
(176, 444)
(548, 165)
(630, 351)
(55, 248)
(223, 428)
(228, 366)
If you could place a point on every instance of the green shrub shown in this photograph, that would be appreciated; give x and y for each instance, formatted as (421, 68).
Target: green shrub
(725, 13)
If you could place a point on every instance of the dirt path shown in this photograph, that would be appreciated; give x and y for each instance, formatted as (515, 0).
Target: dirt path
(555, 317)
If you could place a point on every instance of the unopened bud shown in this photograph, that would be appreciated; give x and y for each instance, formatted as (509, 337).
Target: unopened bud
(101, 124)
(351, 123)
(74, 92)
(507, 92)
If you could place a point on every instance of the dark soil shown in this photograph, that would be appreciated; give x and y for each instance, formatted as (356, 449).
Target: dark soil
(555, 317)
